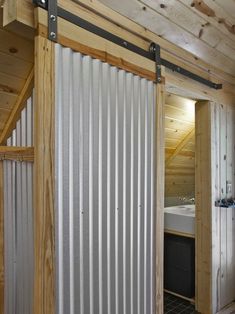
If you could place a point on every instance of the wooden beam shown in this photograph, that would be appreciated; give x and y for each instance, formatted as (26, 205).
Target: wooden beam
(20, 104)
(18, 17)
(159, 226)
(180, 147)
(17, 153)
(203, 201)
(44, 237)
(1, 241)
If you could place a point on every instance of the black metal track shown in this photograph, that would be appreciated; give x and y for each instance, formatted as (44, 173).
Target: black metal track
(123, 43)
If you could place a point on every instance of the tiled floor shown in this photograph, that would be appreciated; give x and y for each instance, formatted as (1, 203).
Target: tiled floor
(174, 305)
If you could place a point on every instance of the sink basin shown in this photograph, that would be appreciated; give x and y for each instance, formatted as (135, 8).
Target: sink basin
(180, 219)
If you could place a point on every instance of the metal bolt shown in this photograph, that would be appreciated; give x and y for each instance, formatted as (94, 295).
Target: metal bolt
(43, 1)
(52, 17)
(125, 43)
(53, 35)
(159, 79)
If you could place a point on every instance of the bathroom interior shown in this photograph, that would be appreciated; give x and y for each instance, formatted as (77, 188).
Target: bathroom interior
(179, 213)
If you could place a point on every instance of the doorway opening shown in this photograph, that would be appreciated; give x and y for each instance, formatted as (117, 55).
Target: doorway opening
(179, 212)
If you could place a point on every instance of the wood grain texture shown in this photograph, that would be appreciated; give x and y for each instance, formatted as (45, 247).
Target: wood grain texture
(1, 241)
(44, 241)
(160, 159)
(180, 146)
(95, 11)
(181, 26)
(223, 219)
(98, 47)
(17, 153)
(15, 113)
(16, 62)
(203, 208)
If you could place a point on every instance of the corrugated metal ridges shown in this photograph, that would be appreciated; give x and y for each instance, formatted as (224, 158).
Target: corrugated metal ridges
(18, 221)
(105, 133)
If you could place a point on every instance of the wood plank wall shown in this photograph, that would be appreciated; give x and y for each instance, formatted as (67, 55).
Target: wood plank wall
(1, 242)
(224, 187)
(215, 179)
(179, 149)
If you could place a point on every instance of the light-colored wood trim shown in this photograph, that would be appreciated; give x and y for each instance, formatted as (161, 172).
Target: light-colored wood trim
(1, 241)
(94, 10)
(17, 153)
(182, 234)
(44, 236)
(179, 55)
(160, 159)
(180, 296)
(18, 107)
(180, 147)
(203, 199)
(97, 47)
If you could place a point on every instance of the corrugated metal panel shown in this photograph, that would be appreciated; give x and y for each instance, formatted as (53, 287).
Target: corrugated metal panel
(105, 122)
(18, 221)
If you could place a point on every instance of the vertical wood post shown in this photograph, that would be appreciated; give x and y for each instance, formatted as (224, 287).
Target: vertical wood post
(203, 197)
(44, 237)
(1, 241)
(160, 181)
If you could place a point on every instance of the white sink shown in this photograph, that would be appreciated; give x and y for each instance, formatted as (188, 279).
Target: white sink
(180, 218)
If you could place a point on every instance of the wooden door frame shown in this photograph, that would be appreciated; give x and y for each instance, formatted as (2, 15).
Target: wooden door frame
(206, 298)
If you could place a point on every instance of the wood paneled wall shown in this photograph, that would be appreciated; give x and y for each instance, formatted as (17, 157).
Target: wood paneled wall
(179, 147)
(215, 179)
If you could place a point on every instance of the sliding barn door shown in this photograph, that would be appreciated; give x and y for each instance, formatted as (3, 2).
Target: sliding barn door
(105, 188)
(18, 221)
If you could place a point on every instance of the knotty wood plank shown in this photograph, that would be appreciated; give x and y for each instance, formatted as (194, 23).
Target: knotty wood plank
(17, 153)
(44, 237)
(203, 197)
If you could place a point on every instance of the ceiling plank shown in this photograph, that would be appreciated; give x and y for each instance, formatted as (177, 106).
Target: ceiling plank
(16, 46)
(180, 147)
(20, 103)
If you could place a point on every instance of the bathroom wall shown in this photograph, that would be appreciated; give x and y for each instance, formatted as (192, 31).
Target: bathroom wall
(179, 150)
